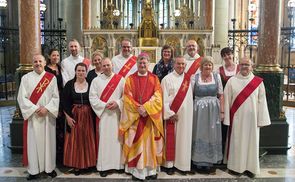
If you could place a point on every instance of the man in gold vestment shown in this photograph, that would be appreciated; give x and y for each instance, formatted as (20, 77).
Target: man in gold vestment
(141, 124)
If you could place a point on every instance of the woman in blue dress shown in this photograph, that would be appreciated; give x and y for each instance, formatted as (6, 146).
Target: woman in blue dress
(207, 117)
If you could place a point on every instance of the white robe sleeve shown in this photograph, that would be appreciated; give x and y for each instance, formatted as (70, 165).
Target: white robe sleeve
(227, 102)
(97, 105)
(166, 100)
(53, 104)
(26, 106)
(64, 73)
(263, 114)
(220, 87)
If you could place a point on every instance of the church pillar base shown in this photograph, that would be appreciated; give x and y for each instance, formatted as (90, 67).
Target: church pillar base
(16, 135)
(274, 138)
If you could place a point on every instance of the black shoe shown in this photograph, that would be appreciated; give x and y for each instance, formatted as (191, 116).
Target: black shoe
(136, 179)
(170, 171)
(212, 170)
(120, 171)
(77, 172)
(183, 173)
(234, 173)
(52, 174)
(153, 177)
(32, 177)
(249, 174)
(103, 173)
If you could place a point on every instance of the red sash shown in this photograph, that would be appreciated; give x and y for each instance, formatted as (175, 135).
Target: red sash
(87, 62)
(240, 99)
(170, 126)
(34, 98)
(222, 73)
(127, 66)
(194, 67)
(105, 95)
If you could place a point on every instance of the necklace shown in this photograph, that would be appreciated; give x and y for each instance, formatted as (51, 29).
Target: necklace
(206, 79)
(142, 92)
(230, 67)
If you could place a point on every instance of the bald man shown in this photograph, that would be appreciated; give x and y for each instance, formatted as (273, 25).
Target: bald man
(38, 99)
(246, 111)
(105, 98)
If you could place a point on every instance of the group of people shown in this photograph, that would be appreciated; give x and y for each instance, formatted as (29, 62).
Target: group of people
(183, 116)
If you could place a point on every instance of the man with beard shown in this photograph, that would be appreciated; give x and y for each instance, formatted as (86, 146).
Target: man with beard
(69, 63)
(192, 57)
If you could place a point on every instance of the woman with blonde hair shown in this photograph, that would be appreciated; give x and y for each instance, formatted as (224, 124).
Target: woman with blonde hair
(96, 59)
(207, 116)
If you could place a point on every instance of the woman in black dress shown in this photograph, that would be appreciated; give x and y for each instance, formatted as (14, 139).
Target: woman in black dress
(165, 65)
(53, 67)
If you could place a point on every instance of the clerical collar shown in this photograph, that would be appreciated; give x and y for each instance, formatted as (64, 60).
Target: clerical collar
(75, 57)
(43, 72)
(139, 74)
(109, 75)
(177, 73)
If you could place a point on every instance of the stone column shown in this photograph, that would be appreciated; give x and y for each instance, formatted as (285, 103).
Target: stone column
(221, 23)
(86, 14)
(274, 138)
(208, 14)
(30, 44)
(29, 31)
(95, 14)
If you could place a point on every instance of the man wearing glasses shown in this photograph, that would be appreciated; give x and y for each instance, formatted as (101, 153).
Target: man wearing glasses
(246, 111)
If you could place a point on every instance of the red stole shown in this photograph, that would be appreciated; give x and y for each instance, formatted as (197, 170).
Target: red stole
(105, 96)
(127, 66)
(240, 99)
(87, 62)
(170, 126)
(194, 67)
(222, 73)
(34, 98)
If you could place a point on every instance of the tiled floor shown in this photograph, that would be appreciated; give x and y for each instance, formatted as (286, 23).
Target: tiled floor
(274, 168)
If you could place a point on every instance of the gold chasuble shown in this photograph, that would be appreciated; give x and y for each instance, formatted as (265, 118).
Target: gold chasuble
(143, 136)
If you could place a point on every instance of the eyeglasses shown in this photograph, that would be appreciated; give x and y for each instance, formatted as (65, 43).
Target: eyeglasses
(126, 47)
(191, 46)
(246, 65)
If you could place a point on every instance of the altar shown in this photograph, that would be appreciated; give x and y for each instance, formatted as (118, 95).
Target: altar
(148, 37)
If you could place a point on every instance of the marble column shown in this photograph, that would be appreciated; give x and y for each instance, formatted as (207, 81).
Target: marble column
(86, 14)
(221, 23)
(274, 138)
(208, 14)
(30, 44)
(29, 31)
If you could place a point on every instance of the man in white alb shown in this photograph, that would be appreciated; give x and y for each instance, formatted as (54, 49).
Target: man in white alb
(105, 97)
(125, 62)
(178, 112)
(38, 99)
(245, 111)
(68, 64)
(192, 57)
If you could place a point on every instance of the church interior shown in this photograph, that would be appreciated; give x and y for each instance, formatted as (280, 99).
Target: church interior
(262, 30)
